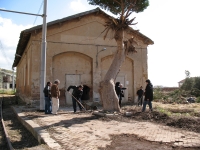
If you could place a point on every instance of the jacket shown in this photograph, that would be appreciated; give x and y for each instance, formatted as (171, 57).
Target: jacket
(55, 91)
(149, 92)
(47, 92)
(86, 93)
(140, 92)
(76, 92)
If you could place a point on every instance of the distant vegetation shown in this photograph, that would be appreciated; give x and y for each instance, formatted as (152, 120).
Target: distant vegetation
(7, 91)
(190, 88)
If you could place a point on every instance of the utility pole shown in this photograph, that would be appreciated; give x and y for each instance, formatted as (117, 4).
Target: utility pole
(43, 57)
(43, 51)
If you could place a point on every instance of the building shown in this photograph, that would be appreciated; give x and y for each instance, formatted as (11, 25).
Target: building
(77, 54)
(180, 83)
(6, 79)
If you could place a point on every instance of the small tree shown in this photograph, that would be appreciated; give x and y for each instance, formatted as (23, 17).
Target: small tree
(123, 8)
(187, 73)
(188, 84)
(196, 82)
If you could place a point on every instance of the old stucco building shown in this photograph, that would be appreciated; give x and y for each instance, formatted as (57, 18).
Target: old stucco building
(7, 79)
(77, 54)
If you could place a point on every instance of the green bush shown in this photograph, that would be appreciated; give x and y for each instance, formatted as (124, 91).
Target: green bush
(198, 99)
(196, 83)
(6, 91)
(193, 82)
(188, 84)
(157, 93)
(195, 92)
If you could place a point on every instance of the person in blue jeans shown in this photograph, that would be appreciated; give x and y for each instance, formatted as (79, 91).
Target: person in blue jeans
(148, 96)
(47, 96)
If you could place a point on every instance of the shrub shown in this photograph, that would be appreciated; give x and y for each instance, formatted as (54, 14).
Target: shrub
(198, 99)
(157, 93)
(188, 84)
(195, 92)
(9, 92)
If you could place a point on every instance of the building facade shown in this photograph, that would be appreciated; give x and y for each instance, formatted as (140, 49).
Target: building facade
(6, 79)
(78, 54)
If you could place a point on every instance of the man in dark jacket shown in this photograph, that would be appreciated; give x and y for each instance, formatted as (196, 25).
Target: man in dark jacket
(47, 95)
(76, 96)
(148, 95)
(140, 94)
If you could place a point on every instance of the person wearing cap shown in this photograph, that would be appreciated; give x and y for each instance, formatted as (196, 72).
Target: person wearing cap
(148, 95)
(55, 93)
(76, 96)
(140, 94)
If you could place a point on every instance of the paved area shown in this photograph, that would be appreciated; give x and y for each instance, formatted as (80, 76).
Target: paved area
(71, 131)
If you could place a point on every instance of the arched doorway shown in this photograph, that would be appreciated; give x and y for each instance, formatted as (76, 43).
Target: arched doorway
(72, 68)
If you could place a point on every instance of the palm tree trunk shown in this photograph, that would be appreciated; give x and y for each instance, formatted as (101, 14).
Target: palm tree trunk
(108, 95)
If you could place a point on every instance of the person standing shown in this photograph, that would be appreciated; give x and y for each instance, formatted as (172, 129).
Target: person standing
(121, 94)
(117, 89)
(55, 93)
(140, 94)
(76, 96)
(148, 95)
(47, 95)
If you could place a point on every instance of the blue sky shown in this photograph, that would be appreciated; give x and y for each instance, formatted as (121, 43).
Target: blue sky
(173, 25)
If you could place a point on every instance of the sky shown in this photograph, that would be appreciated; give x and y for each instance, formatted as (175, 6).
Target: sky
(173, 25)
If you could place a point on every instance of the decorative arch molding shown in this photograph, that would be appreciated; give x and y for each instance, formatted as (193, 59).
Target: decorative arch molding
(111, 56)
(72, 63)
(70, 52)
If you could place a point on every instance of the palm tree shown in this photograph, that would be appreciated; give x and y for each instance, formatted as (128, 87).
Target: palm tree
(123, 8)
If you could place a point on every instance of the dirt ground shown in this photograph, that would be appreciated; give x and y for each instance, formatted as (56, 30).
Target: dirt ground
(20, 137)
(184, 116)
(131, 142)
(187, 120)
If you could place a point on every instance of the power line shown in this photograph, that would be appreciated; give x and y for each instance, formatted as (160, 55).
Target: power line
(20, 12)
(38, 12)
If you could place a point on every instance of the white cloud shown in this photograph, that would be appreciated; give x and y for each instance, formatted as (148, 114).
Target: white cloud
(77, 5)
(9, 38)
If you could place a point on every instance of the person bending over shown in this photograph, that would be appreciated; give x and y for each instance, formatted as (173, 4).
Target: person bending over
(76, 96)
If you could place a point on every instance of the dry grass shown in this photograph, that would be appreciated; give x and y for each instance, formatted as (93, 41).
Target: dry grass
(179, 108)
(190, 110)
